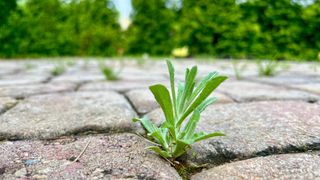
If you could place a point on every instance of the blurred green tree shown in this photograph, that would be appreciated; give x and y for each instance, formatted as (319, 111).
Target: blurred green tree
(280, 23)
(54, 27)
(151, 30)
(6, 6)
(310, 39)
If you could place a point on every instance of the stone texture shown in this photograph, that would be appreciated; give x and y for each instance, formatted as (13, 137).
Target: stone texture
(119, 156)
(6, 103)
(287, 166)
(23, 78)
(243, 91)
(255, 129)
(22, 91)
(311, 87)
(52, 115)
(79, 77)
(120, 86)
(289, 79)
(144, 102)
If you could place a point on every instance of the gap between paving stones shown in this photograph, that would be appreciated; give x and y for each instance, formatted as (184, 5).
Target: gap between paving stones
(4, 110)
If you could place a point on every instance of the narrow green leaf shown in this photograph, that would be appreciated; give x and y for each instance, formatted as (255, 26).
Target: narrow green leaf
(179, 96)
(146, 123)
(188, 88)
(191, 125)
(202, 136)
(202, 84)
(160, 136)
(173, 92)
(162, 96)
(210, 86)
(206, 103)
(159, 151)
(181, 147)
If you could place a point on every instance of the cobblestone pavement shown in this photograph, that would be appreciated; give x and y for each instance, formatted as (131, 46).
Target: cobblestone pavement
(77, 125)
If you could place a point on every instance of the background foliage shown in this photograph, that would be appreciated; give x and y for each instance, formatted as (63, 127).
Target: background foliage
(281, 29)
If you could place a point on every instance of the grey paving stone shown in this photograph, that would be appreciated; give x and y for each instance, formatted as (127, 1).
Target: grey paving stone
(243, 91)
(79, 77)
(23, 78)
(310, 87)
(284, 166)
(144, 102)
(19, 91)
(119, 156)
(6, 103)
(254, 129)
(289, 79)
(53, 115)
(120, 86)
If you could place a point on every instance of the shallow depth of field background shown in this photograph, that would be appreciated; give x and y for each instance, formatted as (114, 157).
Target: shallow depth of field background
(246, 29)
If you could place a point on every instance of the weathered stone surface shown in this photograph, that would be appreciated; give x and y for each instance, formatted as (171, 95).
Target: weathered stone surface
(285, 166)
(28, 90)
(289, 79)
(221, 98)
(311, 87)
(23, 78)
(243, 91)
(144, 102)
(120, 86)
(255, 129)
(6, 103)
(119, 156)
(79, 77)
(52, 115)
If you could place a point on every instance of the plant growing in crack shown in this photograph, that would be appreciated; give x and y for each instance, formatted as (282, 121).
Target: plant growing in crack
(268, 68)
(182, 110)
(238, 69)
(109, 73)
(58, 69)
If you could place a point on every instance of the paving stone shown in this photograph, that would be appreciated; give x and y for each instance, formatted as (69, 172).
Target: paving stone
(20, 91)
(289, 79)
(52, 115)
(311, 87)
(120, 86)
(144, 101)
(79, 77)
(254, 129)
(119, 156)
(23, 78)
(243, 91)
(284, 166)
(6, 103)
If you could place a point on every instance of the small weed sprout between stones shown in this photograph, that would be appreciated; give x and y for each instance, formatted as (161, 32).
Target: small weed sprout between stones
(268, 68)
(238, 69)
(29, 66)
(58, 69)
(109, 73)
(176, 135)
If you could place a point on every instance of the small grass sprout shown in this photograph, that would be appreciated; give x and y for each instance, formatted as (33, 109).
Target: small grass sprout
(29, 66)
(238, 69)
(58, 69)
(268, 68)
(109, 73)
(181, 108)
